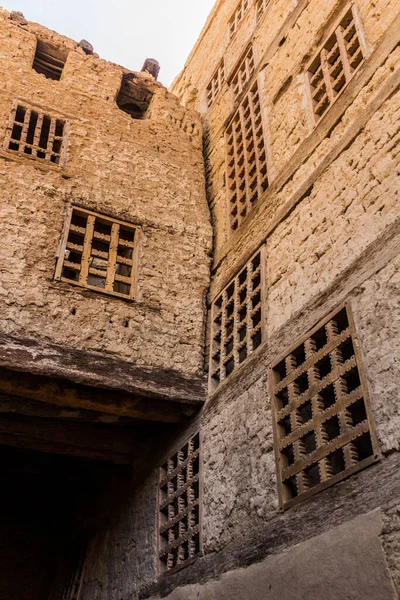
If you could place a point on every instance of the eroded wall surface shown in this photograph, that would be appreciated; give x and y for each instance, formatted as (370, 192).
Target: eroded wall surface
(329, 225)
(146, 172)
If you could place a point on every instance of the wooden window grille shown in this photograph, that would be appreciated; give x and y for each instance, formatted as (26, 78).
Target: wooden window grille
(322, 417)
(237, 320)
(261, 7)
(179, 507)
(49, 60)
(216, 83)
(99, 253)
(243, 73)
(238, 16)
(335, 64)
(246, 160)
(35, 134)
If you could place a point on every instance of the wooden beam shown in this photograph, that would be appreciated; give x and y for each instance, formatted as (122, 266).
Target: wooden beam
(95, 442)
(98, 370)
(70, 395)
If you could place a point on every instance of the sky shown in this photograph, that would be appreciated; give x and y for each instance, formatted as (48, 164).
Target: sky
(125, 31)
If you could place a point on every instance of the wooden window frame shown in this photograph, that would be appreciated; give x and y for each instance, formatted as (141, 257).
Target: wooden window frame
(216, 83)
(29, 142)
(320, 63)
(261, 6)
(227, 320)
(244, 185)
(180, 477)
(313, 406)
(85, 269)
(242, 72)
(238, 16)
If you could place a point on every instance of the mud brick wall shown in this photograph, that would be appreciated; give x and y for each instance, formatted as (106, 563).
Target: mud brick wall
(147, 172)
(329, 221)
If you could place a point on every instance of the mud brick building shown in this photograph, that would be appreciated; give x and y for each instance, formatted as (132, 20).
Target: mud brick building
(200, 311)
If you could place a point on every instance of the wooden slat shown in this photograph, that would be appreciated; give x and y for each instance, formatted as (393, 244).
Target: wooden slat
(50, 141)
(112, 257)
(87, 247)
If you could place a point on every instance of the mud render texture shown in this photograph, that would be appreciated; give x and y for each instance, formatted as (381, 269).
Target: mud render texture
(292, 487)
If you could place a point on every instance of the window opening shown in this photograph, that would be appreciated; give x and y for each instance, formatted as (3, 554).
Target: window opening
(335, 65)
(246, 172)
(134, 97)
(216, 83)
(179, 507)
(322, 418)
(261, 6)
(36, 134)
(238, 16)
(99, 253)
(237, 317)
(243, 73)
(49, 60)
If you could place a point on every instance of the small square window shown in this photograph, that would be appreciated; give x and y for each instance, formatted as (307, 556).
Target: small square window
(134, 97)
(36, 134)
(49, 59)
(99, 253)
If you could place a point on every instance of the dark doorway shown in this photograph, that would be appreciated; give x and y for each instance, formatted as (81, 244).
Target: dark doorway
(50, 506)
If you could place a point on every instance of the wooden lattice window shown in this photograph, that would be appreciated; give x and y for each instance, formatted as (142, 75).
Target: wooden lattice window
(35, 134)
(243, 73)
(322, 417)
(99, 253)
(238, 16)
(261, 6)
(215, 85)
(335, 64)
(246, 158)
(237, 320)
(179, 507)
(49, 60)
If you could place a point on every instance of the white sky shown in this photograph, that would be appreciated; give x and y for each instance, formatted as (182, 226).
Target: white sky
(126, 31)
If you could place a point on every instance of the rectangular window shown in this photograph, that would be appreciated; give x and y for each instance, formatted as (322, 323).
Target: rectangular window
(243, 73)
(99, 253)
(35, 134)
(179, 507)
(322, 419)
(246, 158)
(215, 85)
(237, 318)
(49, 59)
(238, 16)
(335, 64)
(261, 6)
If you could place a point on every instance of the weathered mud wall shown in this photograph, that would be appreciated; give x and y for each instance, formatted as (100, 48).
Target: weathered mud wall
(147, 172)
